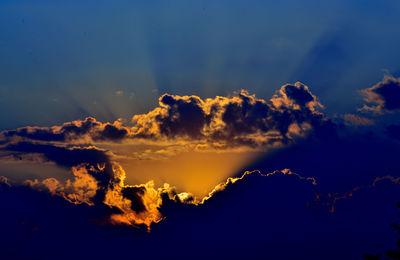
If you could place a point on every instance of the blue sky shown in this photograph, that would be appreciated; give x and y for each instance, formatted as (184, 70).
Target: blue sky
(64, 60)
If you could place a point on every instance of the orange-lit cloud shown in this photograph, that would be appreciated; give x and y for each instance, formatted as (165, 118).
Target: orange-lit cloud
(4, 181)
(383, 97)
(352, 119)
(189, 142)
(214, 123)
(135, 205)
(81, 190)
(228, 122)
(140, 204)
(184, 150)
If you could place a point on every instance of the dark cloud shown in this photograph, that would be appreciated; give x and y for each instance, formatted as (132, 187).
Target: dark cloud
(112, 132)
(185, 116)
(95, 161)
(266, 209)
(393, 131)
(96, 180)
(385, 96)
(298, 93)
(63, 156)
(87, 130)
(338, 164)
(260, 217)
(241, 120)
(135, 194)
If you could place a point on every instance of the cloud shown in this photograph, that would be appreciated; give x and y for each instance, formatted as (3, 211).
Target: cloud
(330, 200)
(231, 181)
(65, 156)
(142, 204)
(393, 131)
(137, 204)
(223, 123)
(384, 97)
(88, 130)
(4, 181)
(148, 201)
(81, 190)
(90, 166)
(239, 121)
(96, 181)
(133, 205)
(352, 119)
(253, 212)
(181, 123)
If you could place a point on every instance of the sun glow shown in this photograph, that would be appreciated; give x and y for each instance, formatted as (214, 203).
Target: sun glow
(196, 172)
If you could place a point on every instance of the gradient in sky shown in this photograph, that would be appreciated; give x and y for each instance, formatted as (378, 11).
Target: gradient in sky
(194, 129)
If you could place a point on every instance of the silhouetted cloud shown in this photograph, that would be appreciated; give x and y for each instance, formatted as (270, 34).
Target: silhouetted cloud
(88, 130)
(241, 120)
(253, 212)
(214, 123)
(383, 97)
(330, 200)
(141, 204)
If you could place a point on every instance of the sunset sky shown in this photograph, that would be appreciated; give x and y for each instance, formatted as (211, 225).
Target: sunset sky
(199, 129)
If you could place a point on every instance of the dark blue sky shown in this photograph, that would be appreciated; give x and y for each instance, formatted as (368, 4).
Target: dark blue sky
(64, 60)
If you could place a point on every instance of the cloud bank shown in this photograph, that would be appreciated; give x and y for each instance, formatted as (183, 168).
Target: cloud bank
(241, 122)
(214, 123)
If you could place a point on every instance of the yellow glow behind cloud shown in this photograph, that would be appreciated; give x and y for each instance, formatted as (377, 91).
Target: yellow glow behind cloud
(195, 172)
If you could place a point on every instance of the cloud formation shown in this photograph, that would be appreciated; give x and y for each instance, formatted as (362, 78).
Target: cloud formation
(88, 130)
(241, 120)
(384, 97)
(141, 204)
(214, 123)
(81, 190)
(220, 123)
(330, 200)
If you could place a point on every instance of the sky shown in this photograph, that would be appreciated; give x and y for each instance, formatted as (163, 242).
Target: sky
(74, 56)
(192, 129)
